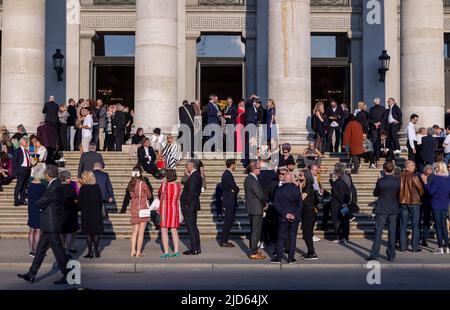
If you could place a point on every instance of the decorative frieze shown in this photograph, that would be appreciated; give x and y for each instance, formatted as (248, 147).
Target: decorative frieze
(221, 23)
(221, 2)
(335, 23)
(102, 22)
(115, 2)
(331, 2)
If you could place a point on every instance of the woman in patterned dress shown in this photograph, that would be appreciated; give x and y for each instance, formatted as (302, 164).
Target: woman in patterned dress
(169, 195)
(171, 153)
(140, 193)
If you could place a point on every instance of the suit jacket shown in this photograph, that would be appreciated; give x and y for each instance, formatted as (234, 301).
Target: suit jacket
(17, 161)
(255, 200)
(190, 197)
(340, 193)
(141, 156)
(87, 161)
(269, 180)
(251, 116)
(233, 112)
(118, 121)
(339, 113)
(104, 182)
(48, 134)
(288, 199)
(376, 114)
(353, 136)
(50, 110)
(387, 190)
(428, 149)
(230, 190)
(186, 116)
(212, 114)
(396, 114)
(52, 215)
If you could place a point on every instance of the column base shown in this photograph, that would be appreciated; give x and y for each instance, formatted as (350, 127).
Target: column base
(298, 139)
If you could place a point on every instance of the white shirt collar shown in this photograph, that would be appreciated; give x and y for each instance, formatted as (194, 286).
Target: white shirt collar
(254, 176)
(50, 183)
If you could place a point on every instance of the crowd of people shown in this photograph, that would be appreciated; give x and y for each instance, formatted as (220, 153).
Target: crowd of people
(280, 194)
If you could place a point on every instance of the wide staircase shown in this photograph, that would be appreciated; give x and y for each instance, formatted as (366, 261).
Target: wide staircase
(13, 220)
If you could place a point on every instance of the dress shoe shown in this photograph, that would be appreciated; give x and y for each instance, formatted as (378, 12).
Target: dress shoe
(416, 250)
(190, 252)
(257, 256)
(97, 255)
(275, 260)
(227, 245)
(424, 243)
(89, 255)
(27, 277)
(123, 211)
(291, 261)
(370, 258)
(62, 281)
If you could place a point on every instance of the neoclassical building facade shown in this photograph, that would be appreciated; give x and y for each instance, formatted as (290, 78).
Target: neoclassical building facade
(152, 54)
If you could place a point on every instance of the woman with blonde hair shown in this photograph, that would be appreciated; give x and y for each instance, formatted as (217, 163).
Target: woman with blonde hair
(63, 115)
(36, 190)
(90, 203)
(362, 116)
(319, 125)
(271, 122)
(439, 189)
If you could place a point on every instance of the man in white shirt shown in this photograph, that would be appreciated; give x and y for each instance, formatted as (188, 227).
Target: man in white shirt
(411, 137)
(393, 120)
(21, 165)
(447, 145)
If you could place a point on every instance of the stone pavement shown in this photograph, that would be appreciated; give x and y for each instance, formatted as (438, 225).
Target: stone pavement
(115, 255)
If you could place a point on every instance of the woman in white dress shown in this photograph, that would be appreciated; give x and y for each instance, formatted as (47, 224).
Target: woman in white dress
(171, 153)
(40, 157)
(86, 126)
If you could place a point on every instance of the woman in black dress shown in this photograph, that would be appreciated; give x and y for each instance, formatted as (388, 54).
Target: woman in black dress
(362, 116)
(319, 121)
(70, 226)
(36, 190)
(90, 203)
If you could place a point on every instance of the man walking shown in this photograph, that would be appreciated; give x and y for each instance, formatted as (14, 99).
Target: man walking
(255, 204)
(52, 217)
(229, 193)
(190, 205)
(411, 191)
(89, 159)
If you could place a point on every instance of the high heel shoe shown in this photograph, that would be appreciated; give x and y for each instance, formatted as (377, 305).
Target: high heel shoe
(176, 255)
(140, 255)
(97, 255)
(165, 256)
(89, 255)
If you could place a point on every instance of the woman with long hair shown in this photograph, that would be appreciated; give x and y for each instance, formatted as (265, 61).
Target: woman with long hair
(140, 193)
(240, 124)
(63, 115)
(90, 203)
(362, 116)
(169, 209)
(86, 125)
(319, 121)
(171, 153)
(271, 122)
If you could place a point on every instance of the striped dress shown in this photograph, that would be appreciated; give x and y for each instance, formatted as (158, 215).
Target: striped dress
(172, 155)
(169, 210)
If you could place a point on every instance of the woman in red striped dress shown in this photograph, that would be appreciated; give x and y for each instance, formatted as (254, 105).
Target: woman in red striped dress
(169, 195)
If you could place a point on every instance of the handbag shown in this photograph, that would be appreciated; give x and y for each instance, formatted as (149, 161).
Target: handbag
(143, 213)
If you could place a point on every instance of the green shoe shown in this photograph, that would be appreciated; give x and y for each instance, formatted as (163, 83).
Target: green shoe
(165, 256)
(176, 254)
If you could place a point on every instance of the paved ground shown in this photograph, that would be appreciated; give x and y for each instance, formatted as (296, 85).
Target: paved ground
(338, 267)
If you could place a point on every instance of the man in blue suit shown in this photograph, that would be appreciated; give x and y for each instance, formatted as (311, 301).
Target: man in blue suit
(251, 118)
(230, 194)
(21, 170)
(214, 114)
(104, 182)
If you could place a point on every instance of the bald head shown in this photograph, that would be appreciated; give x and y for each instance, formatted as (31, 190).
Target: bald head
(51, 98)
(288, 177)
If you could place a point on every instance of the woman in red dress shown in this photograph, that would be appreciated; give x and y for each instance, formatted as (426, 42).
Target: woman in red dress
(240, 124)
(140, 193)
(169, 209)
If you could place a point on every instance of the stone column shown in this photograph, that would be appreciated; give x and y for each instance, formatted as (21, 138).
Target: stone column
(23, 58)
(422, 62)
(392, 45)
(73, 50)
(290, 67)
(86, 52)
(156, 75)
(191, 66)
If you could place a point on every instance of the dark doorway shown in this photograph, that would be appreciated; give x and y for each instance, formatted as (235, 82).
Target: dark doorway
(115, 84)
(221, 80)
(330, 83)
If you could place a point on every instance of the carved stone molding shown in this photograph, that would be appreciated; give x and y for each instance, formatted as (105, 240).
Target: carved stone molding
(335, 23)
(221, 23)
(115, 2)
(446, 23)
(103, 22)
(331, 2)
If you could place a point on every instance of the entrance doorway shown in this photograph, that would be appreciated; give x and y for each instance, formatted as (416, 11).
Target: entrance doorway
(114, 81)
(330, 82)
(222, 78)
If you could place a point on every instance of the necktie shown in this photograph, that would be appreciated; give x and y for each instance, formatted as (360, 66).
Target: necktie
(27, 158)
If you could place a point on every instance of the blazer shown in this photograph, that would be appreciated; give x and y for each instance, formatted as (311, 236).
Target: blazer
(104, 182)
(48, 133)
(52, 215)
(212, 114)
(288, 199)
(51, 110)
(251, 116)
(340, 193)
(439, 189)
(141, 155)
(387, 190)
(118, 121)
(190, 197)
(233, 112)
(396, 114)
(269, 181)
(428, 149)
(17, 161)
(376, 114)
(230, 190)
(330, 113)
(187, 117)
(87, 161)
(255, 200)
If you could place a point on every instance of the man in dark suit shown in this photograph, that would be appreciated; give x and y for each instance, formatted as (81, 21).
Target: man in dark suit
(376, 116)
(387, 209)
(334, 115)
(250, 118)
(88, 160)
(288, 203)
(190, 205)
(230, 115)
(52, 217)
(51, 110)
(230, 192)
(186, 115)
(147, 159)
(104, 182)
(118, 125)
(255, 204)
(393, 122)
(214, 115)
(21, 170)
(428, 149)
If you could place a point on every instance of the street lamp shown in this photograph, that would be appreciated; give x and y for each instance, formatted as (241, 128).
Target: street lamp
(58, 64)
(385, 61)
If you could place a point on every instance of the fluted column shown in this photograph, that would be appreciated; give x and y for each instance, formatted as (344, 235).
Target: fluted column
(290, 66)
(23, 63)
(422, 61)
(156, 64)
